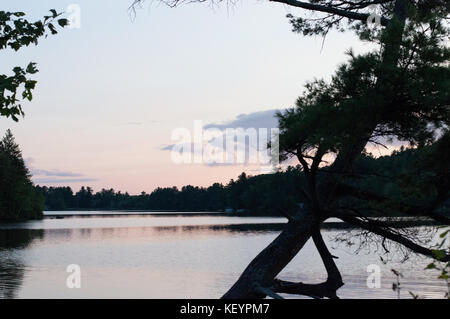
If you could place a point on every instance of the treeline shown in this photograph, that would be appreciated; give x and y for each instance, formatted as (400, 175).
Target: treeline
(19, 199)
(409, 177)
(262, 195)
(269, 194)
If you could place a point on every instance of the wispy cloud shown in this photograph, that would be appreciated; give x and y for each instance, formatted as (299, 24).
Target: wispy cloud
(137, 123)
(257, 120)
(166, 147)
(244, 145)
(63, 180)
(54, 172)
(261, 119)
(55, 176)
(215, 164)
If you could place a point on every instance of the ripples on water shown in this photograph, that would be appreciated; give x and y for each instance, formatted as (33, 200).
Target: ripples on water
(161, 256)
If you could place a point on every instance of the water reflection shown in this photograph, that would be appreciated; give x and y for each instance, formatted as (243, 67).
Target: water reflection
(12, 266)
(18, 238)
(172, 257)
(150, 233)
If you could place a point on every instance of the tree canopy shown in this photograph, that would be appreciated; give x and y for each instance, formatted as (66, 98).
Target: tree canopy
(399, 91)
(282, 190)
(15, 33)
(19, 199)
(241, 195)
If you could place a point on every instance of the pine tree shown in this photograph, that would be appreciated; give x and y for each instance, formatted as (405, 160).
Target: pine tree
(19, 199)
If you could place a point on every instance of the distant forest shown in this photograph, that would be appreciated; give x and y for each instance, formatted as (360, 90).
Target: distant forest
(269, 194)
(256, 194)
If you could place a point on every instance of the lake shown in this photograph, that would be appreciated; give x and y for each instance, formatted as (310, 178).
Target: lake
(160, 255)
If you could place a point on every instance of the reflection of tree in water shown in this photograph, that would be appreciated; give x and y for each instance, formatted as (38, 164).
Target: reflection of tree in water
(12, 267)
(257, 228)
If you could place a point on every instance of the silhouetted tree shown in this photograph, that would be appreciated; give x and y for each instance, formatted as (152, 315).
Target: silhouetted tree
(399, 91)
(15, 33)
(84, 197)
(18, 197)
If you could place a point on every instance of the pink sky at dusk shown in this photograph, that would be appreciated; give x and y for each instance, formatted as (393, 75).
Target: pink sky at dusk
(110, 94)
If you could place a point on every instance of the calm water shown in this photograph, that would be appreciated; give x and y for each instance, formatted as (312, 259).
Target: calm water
(160, 256)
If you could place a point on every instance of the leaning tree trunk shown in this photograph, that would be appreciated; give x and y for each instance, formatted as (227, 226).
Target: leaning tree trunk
(261, 272)
(259, 278)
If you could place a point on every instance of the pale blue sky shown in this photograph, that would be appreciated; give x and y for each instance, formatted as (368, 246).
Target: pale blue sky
(110, 93)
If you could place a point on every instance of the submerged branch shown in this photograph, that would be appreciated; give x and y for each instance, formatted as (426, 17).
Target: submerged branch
(374, 228)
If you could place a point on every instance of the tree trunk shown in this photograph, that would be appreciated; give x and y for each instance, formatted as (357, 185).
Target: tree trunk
(261, 272)
(259, 278)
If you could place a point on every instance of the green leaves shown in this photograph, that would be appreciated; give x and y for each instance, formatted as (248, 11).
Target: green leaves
(444, 275)
(52, 28)
(327, 115)
(31, 68)
(431, 266)
(16, 33)
(444, 268)
(438, 253)
(444, 233)
(10, 87)
(63, 22)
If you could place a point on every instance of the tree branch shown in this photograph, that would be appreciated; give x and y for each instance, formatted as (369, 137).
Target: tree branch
(268, 292)
(321, 290)
(326, 289)
(329, 9)
(334, 276)
(392, 236)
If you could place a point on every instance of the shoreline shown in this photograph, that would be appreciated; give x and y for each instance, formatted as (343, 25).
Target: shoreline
(397, 222)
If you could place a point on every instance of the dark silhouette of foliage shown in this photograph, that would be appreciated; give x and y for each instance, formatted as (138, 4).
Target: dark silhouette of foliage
(19, 199)
(15, 33)
(398, 91)
(390, 176)
(243, 194)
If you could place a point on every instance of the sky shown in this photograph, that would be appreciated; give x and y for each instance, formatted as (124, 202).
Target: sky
(111, 94)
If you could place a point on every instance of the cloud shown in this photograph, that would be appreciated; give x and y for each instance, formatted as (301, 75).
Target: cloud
(244, 145)
(140, 122)
(215, 164)
(55, 176)
(166, 147)
(257, 120)
(261, 119)
(54, 172)
(63, 180)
